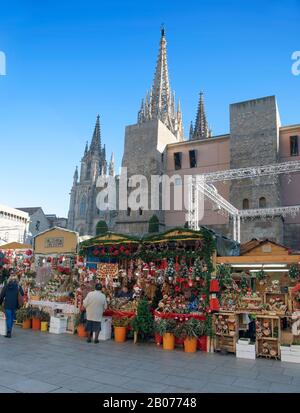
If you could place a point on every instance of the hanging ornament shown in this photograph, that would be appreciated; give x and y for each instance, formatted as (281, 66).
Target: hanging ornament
(214, 286)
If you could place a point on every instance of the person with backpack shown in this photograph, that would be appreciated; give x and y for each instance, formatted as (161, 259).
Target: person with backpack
(12, 298)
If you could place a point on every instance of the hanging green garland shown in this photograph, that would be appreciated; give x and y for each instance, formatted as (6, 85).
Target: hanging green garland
(294, 272)
(224, 275)
(260, 275)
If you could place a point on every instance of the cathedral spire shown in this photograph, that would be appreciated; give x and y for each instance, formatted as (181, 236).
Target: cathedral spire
(141, 114)
(104, 163)
(161, 102)
(96, 140)
(161, 91)
(201, 130)
(111, 169)
(75, 176)
(191, 131)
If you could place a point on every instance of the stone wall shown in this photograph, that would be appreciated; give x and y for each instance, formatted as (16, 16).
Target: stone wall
(292, 236)
(254, 138)
(144, 145)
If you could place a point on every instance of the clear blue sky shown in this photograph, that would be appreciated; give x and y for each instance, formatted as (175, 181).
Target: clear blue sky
(69, 60)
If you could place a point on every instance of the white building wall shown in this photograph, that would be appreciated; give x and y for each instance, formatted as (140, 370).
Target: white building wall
(13, 225)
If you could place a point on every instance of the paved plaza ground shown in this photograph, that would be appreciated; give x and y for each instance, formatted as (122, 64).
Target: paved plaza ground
(48, 363)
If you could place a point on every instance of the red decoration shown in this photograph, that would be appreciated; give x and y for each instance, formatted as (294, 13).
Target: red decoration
(202, 343)
(28, 252)
(214, 304)
(158, 339)
(214, 286)
(49, 259)
(296, 288)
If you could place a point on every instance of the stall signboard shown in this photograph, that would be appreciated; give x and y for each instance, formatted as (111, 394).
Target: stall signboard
(54, 242)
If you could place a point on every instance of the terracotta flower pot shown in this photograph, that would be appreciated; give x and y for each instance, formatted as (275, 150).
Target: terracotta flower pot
(168, 341)
(26, 324)
(81, 331)
(120, 334)
(190, 344)
(36, 324)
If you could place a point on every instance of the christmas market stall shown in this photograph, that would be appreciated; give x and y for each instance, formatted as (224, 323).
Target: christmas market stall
(111, 257)
(15, 258)
(51, 287)
(55, 248)
(173, 271)
(259, 312)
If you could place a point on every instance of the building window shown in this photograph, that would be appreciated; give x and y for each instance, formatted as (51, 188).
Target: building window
(193, 158)
(178, 182)
(245, 203)
(88, 171)
(162, 158)
(140, 211)
(294, 145)
(82, 207)
(177, 160)
(128, 212)
(262, 202)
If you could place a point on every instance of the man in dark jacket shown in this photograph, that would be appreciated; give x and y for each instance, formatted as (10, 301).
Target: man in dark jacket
(10, 296)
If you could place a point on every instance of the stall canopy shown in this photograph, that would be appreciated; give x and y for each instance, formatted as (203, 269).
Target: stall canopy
(224, 246)
(261, 252)
(109, 238)
(15, 246)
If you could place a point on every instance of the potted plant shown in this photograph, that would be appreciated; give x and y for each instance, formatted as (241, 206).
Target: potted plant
(189, 331)
(142, 323)
(45, 319)
(36, 321)
(166, 328)
(23, 316)
(79, 324)
(120, 327)
(157, 332)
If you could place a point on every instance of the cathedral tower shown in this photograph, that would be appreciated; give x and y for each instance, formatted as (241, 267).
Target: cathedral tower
(83, 212)
(159, 123)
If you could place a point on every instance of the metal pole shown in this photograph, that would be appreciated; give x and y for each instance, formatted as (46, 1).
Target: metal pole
(238, 228)
(234, 228)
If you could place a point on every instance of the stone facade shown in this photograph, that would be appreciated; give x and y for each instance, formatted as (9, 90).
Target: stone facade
(256, 138)
(145, 145)
(83, 213)
(38, 221)
(254, 141)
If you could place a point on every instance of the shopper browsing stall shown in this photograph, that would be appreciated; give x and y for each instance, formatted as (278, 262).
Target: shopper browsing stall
(95, 304)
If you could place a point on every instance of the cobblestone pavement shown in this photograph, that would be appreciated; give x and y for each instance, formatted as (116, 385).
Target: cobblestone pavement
(48, 363)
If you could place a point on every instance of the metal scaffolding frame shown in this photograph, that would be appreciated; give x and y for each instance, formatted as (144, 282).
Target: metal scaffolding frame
(253, 172)
(203, 184)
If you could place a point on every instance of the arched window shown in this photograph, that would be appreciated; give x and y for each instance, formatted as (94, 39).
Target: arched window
(245, 203)
(128, 212)
(82, 207)
(88, 171)
(262, 202)
(140, 211)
